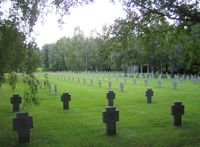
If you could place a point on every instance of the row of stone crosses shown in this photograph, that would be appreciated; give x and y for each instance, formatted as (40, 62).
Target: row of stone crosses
(110, 85)
(23, 123)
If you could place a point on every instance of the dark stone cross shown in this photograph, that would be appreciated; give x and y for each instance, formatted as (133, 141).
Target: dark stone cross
(149, 94)
(15, 100)
(110, 116)
(22, 123)
(65, 98)
(177, 110)
(55, 89)
(110, 97)
(49, 87)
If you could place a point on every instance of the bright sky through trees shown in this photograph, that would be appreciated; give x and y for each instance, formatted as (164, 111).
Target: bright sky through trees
(89, 17)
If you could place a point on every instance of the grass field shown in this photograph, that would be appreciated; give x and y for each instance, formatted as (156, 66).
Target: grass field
(140, 124)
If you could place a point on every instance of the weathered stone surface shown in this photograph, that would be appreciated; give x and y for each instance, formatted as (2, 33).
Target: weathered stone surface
(110, 97)
(22, 123)
(65, 98)
(15, 100)
(149, 94)
(110, 116)
(177, 110)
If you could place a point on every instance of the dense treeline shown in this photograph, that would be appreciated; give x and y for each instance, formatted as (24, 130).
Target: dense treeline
(144, 37)
(124, 44)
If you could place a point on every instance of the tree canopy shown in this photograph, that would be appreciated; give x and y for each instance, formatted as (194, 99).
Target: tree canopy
(161, 33)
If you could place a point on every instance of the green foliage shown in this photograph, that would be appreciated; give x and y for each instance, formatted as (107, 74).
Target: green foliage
(12, 78)
(46, 81)
(183, 12)
(12, 48)
(77, 53)
(30, 94)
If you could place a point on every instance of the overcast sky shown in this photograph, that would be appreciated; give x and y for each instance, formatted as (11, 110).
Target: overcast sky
(88, 17)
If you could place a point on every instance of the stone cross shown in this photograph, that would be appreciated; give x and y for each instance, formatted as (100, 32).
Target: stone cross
(15, 100)
(55, 89)
(116, 79)
(140, 76)
(134, 80)
(141, 70)
(91, 82)
(149, 94)
(84, 81)
(147, 69)
(177, 110)
(146, 82)
(99, 83)
(49, 87)
(110, 97)
(78, 80)
(159, 83)
(121, 87)
(65, 98)
(175, 84)
(125, 80)
(109, 85)
(22, 123)
(110, 116)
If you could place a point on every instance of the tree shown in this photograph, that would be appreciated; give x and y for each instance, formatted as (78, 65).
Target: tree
(184, 12)
(12, 48)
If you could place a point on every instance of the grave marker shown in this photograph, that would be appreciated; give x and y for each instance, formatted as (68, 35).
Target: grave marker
(65, 98)
(22, 123)
(15, 100)
(55, 89)
(159, 83)
(49, 87)
(177, 110)
(149, 94)
(121, 87)
(146, 82)
(175, 84)
(134, 80)
(91, 82)
(84, 81)
(125, 80)
(99, 83)
(110, 116)
(110, 96)
(109, 85)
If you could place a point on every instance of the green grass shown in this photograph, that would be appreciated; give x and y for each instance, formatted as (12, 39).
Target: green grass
(140, 124)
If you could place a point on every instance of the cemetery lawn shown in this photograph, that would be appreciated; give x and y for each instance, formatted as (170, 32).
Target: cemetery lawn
(140, 124)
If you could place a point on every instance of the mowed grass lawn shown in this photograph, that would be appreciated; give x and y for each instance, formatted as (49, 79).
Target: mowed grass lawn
(140, 124)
